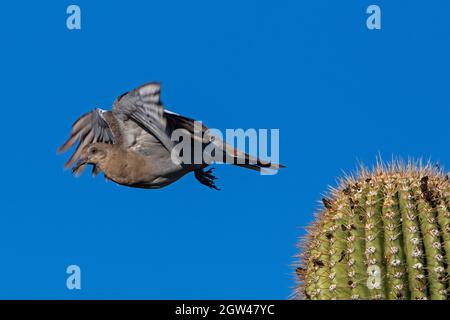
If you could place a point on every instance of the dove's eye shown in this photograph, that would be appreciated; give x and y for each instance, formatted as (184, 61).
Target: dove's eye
(94, 150)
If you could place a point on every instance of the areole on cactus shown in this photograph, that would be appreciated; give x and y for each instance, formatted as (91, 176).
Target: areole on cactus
(382, 234)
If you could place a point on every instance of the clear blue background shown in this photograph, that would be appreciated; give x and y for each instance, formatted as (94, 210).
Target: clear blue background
(338, 92)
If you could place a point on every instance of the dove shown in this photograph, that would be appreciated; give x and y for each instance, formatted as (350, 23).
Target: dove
(132, 145)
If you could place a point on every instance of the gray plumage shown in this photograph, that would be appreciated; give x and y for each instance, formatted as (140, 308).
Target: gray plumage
(131, 144)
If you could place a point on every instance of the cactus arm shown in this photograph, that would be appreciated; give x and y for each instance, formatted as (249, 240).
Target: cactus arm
(443, 215)
(395, 259)
(433, 253)
(317, 279)
(382, 235)
(444, 226)
(356, 247)
(339, 287)
(412, 245)
(374, 238)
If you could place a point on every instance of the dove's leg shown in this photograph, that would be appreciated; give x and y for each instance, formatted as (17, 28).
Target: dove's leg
(206, 178)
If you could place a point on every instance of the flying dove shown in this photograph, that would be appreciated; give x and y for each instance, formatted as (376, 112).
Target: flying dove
(132, 144)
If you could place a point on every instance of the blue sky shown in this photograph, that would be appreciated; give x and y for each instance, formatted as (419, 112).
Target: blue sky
(338, 92)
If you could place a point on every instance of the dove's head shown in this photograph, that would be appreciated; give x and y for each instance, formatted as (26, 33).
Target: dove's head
(95, 154)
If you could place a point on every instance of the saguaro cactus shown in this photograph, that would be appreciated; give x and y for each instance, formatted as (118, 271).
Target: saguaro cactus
(383, 234)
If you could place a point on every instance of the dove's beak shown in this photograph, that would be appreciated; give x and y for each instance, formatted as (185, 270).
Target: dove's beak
(81, 162)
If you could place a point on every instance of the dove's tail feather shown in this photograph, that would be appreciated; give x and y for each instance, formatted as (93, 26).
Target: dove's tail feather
(240, 158)
(230, 154)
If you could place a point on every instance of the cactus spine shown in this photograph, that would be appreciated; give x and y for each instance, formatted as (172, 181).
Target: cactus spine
(384, 234)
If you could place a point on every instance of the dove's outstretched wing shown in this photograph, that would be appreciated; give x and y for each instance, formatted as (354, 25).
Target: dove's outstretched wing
(91, 127)
(143, 106)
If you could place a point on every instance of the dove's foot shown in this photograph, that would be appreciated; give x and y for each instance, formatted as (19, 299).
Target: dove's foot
(206, 178)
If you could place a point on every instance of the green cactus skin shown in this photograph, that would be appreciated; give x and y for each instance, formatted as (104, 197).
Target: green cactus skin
(384, 234)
